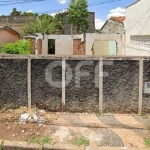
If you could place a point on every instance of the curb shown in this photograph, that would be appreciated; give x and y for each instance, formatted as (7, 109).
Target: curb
(21, 145)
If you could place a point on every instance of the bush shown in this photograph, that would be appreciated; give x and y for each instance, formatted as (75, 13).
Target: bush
(19, 47)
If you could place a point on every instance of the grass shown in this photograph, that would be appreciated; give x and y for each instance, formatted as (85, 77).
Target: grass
(147, 142)
(98, 113)
(1, 145)
(81, 141)
(40, 141)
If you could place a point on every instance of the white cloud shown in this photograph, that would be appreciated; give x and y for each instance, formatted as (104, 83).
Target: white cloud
(99, 23)
(62, 1)
(29, 11)
(117, 12)
(53, 14)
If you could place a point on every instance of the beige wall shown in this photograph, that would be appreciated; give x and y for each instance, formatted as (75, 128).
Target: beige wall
(91, 37)
(101, 47)
(137, 23)
(7, 36)
(64, 43)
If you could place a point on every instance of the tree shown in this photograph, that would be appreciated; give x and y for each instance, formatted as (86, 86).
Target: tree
(29, 14)
(78, 14)
(15, 12)
(44, 24)
(58, 19)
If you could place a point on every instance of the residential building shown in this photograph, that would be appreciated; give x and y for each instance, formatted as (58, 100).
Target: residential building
(7, 35)
(137, 26)
(114, 25)
(15, 22)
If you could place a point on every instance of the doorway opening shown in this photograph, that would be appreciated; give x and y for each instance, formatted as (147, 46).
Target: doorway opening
(51, 46)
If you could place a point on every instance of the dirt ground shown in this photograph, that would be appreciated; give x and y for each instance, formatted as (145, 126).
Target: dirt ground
(12, 129)
(112, 130)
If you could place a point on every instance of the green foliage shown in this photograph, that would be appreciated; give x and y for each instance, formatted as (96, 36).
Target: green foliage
(15, 12)
(1, 145)
(41, 142)
(19, 47)
(81, 141)
(29, 14)
(147, 142)
(44, 24)
(78, 14)
(98, 113)
(58, 20)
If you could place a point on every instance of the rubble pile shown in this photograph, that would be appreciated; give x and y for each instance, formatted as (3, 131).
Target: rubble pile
(38, 116)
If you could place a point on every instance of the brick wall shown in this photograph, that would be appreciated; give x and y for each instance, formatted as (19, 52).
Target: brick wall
(78, 47)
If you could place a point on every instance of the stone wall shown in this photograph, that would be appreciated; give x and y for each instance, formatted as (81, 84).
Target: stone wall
(13, 83)
(44, 95)
(119, 90)
(85, 97)
(121, 86)
(146, 77)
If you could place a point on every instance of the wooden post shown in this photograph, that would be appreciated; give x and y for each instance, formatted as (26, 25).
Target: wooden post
(29, 83)
(101, 85)
(63, 84)
(140, 86)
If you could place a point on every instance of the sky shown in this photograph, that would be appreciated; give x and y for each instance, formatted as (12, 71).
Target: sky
(103, 9)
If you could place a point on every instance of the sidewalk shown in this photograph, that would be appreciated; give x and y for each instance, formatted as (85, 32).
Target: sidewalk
(104, 132)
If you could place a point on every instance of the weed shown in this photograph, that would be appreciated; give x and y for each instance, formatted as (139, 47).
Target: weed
(1, 145)
(40, 141)
(144, 115)
(4, 109)
(98, 113)
(148, 127)
(147, 142)
(81, 141)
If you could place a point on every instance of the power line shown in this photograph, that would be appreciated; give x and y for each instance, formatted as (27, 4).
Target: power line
(18, 2)
(89, 5)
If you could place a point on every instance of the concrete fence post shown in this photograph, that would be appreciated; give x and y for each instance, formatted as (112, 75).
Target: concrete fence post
(101, 85)
(63, 84)
(140, 86)
(29, 83)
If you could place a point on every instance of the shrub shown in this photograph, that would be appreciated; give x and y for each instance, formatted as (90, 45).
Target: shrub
(19, 47)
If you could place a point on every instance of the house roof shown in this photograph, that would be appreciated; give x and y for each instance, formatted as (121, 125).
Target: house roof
(119, 18)
(8, 28)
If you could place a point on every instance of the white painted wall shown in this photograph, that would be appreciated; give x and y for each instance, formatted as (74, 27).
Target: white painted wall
(91, 37)
(137, 23)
